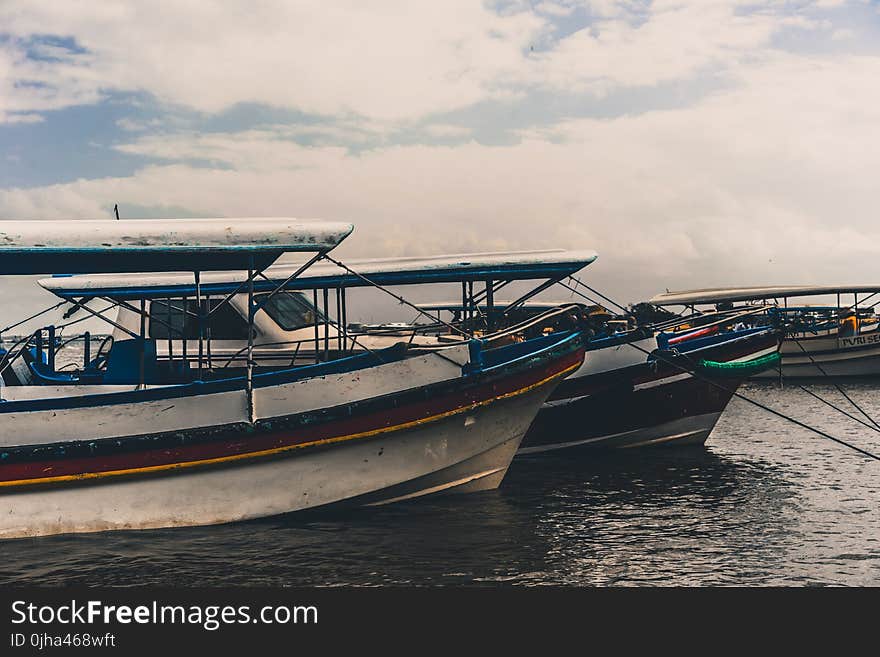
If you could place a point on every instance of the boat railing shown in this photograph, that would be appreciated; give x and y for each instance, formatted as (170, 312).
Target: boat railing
(712, 318)
(413, 330)
(571, 312)
(44, 345)
(41, 348)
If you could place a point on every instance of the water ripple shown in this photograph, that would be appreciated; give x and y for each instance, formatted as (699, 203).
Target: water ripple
(764, 503)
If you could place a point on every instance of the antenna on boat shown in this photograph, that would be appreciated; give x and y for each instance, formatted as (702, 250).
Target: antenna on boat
(116, 210)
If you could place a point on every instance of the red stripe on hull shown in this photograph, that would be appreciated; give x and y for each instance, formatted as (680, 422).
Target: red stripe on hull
(239, 442)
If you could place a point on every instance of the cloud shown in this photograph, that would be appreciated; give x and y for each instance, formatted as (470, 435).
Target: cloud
(446, 130)
(764, 177)
(399, 62)
(19, 117)
(674, 41)
(134, 125)
(29, 85)
(767, 181)
(843, 34)
(402, 60)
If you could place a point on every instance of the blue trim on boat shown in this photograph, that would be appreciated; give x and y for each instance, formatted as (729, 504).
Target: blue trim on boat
(709, 342)
(143, 259)
(412, 277)
(260, 380)
(512, 353)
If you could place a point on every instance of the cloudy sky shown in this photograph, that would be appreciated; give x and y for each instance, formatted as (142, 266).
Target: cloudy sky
(691, 143)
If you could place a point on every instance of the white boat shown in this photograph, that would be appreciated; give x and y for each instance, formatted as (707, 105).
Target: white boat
(372, 428)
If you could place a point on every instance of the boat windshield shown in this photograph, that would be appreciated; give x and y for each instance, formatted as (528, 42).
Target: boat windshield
(224, 323)
(289, 311)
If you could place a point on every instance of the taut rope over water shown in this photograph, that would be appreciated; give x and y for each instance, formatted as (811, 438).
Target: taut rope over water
(773, 411)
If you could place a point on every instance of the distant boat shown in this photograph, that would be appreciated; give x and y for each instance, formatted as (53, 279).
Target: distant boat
(839, 340)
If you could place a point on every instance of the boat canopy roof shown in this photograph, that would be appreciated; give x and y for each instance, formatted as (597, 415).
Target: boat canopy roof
(720, 295)
(506, 266)
(149, 245)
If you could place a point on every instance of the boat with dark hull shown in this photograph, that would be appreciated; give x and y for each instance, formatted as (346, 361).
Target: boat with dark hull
(374, 427)
(666, 398)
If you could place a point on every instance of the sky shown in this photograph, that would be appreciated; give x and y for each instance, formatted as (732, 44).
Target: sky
(691, 143)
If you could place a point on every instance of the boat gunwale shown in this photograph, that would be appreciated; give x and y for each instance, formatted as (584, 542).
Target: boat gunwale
(558, 352)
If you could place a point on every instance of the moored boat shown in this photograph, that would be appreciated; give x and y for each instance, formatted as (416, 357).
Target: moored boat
(375, 427)
(649, 397)
(836, 340)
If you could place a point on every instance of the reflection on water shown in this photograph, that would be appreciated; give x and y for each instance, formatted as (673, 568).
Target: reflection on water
(763, 503)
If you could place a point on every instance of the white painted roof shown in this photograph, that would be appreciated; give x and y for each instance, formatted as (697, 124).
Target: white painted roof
(85, 246)
(719, 295)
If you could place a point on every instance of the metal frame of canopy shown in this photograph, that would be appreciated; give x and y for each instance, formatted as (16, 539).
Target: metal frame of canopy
(495, 270)
(692, 298)
(526, 265)
(28, 247)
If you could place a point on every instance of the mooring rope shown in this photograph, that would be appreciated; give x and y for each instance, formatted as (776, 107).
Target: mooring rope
(399, 298)
(839, 389)
(739, 395)
(840, 410)
(27, 319)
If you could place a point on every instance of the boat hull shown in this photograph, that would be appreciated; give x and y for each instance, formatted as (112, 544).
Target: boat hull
(456, 435)
(641, 405)
(465, 453)
(676, 412)
(828, 356)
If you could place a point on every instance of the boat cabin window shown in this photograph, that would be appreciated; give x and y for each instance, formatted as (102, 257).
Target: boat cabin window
(225, 324)
(289, 311)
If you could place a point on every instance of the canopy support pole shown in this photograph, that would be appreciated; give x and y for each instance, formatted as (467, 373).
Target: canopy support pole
(856, 308)
(142, 342)
(344, 323)
(170, 336)
(280, 288)
(183, 331)
(317, 336)
(208, 335)
(99, 315)
(200, 324)
(326, 324)
(339, 336)
(250, 346)
(543, 286)
(490, 305)
(464, 303)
